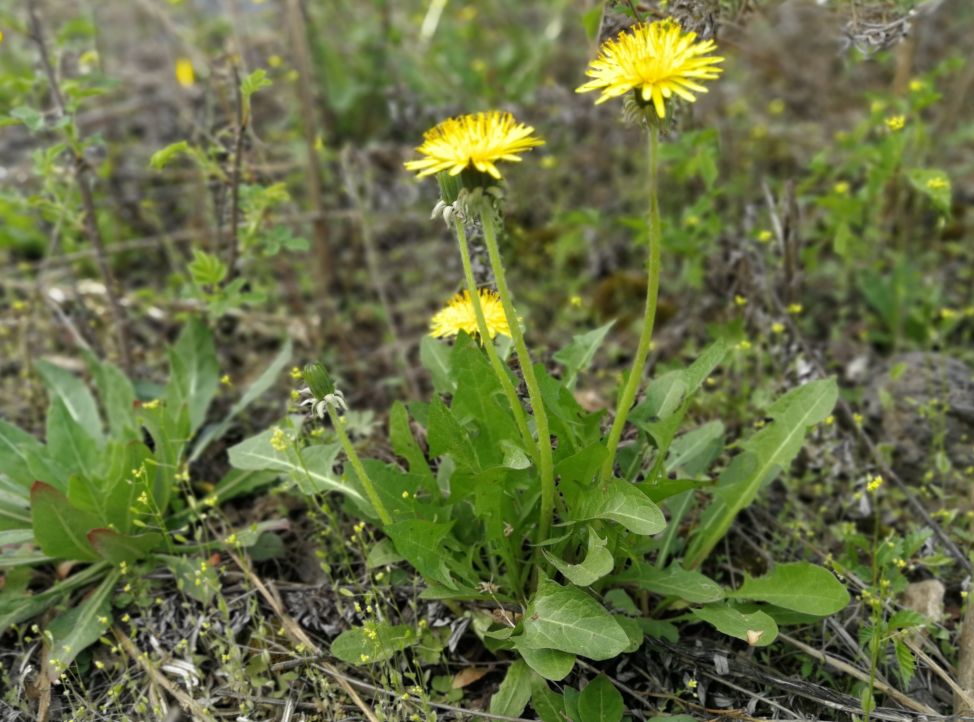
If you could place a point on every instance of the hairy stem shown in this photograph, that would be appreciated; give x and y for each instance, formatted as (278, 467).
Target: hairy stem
(495, 360)
(649, 316)
(545, 463)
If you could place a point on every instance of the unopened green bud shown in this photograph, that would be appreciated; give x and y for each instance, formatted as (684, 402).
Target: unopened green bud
(318, 380)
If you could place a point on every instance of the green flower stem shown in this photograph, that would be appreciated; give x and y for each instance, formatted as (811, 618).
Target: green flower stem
(545, 463)
(652, 294)
(356, 462)
(495, 361)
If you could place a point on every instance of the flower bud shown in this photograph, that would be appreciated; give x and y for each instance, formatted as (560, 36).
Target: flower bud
(318, 380)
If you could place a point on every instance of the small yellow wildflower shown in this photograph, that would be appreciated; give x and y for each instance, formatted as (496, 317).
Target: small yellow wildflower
(873, 486)
(829, 420)
(405, 495)
(478, 141)
(776, 106)
(743, 345)
(895, 123)
(739, 300)
(692, 683)
(279, 440)
(185, 74)
(225, 380)
(151, 405)
(795, 308)
(657, 60)
(296, 373)
(458, 315)
(916, 85)
(948, 314)
(937, 183)
(857, 419)
(575, 301)
(765, 236)
(841, 188)
(777, 327)
(691, 221)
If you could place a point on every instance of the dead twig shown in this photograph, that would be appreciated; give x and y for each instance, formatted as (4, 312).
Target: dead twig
(232, 240)
(158, 678)
(846, 668)
(81, 173)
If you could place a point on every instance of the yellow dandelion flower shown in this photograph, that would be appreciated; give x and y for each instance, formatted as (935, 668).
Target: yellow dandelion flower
(458, 315)
(185, 75)
(478, 141)
(658, 60)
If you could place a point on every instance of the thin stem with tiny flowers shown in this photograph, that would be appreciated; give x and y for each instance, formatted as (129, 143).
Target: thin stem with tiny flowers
(652, 294)
(339, 423)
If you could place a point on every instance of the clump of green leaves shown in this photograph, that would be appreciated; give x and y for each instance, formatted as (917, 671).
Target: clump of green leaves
(110, 488)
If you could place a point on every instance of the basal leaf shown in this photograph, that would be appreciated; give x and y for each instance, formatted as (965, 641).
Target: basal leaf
(75, 630)
(600, 701)
(514, 692)
(798, 586)
(763, 455)
(60, 529)
(422, 543)
(625, 504)
(597, 563)
(116, 548)
(757, 628)
(77, 399)
(569, 620)
(673, 582)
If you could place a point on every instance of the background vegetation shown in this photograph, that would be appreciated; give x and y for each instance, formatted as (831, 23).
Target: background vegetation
(198, 195)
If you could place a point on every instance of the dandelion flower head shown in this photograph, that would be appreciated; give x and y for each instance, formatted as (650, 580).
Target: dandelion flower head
(658, 60)
(478, 141)
(458, 315)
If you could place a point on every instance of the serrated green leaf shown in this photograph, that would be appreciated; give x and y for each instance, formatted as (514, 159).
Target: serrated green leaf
(405, 445)
(578, 354)
(423, 544)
